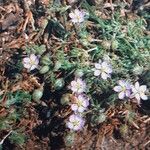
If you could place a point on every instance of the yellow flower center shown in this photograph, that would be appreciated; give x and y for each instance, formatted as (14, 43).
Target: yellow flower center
(78, 18)
(32, 62)
(79, 103)
(75, 123)
(123, 88)
(78, 86)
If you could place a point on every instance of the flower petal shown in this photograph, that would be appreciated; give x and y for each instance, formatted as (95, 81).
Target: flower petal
(127, 93)
(33, 67)
(80, 19)
(72, 118)
(108, 69)
(143, 88)
(97, 72)
(73, 83)
(70, 125)
(26, 60)
(117, 88)
(132, 95)
(143, 96)
(81, 109)
(104, 75)
(121, 95)
(80, 97)
(128, 85)
(27, 65)
(99, 61)
(97, 66)
(77, 12)
(72, 15)
(137, 96)
(85, 103)
(137, 86)
(74, 89)
(104, 64)
(74, 107)
(77, 127)
(36, 62)
(122, 83)
(79, 81)
(74, 20)
(134, 90)
(81, 90)
(33, 57)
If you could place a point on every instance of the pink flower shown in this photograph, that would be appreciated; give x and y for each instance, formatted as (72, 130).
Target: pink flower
(124, 89)
(75, 122)
(139, 92)
(103, 69)
(31, 62)
(81, 104)
(77, 16)
(78, 86)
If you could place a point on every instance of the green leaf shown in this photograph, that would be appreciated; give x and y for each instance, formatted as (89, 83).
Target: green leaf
(17, 138)
(19, 97)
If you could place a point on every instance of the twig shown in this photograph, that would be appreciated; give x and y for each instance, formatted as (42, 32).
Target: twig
(2, 8)
(146, 143)
(147, 120)
(2, 141)
(29, 16)
(92, 49)
(135, 125)
(114, 140)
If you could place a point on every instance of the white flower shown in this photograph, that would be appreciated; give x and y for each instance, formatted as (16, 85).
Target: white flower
(124, 89)
(77, 16)
(103, 69)
(139, 92)
(75, 122)
(31, 62)
(78, 86)
(81, 103)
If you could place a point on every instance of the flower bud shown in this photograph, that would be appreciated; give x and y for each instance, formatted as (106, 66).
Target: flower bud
(37, 94)
(141, 44)
(106, 44)
(85, 42)
(57, 65)
(59, 84)
(98, 119)
(138, 70)
(65, 99)
(40, 50)
(44, 69)
(114, 44)
(45, 60)
(78, 73)
(69, 139)
(101, 118)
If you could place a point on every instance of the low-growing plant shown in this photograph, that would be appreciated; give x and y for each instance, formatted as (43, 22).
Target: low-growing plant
(14, 105)
(102, 65)
(93, 62)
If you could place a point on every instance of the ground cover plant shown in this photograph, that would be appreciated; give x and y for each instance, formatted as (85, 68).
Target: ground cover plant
(74, 74)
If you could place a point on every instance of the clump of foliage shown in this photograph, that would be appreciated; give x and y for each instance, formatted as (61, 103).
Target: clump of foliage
(15, 107)
(102, 54)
